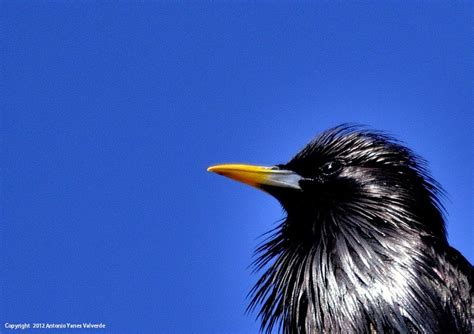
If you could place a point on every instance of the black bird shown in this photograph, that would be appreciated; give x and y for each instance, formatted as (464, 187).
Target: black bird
(363, 247)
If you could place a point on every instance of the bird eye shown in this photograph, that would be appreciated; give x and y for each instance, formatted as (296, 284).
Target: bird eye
(331, 167)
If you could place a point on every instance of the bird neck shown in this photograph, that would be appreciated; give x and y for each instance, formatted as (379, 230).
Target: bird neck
(349, 278)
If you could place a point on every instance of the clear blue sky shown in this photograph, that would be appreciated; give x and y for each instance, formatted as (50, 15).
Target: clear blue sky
(111, 113)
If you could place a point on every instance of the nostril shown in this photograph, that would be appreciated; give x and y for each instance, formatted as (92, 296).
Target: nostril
(309, 183)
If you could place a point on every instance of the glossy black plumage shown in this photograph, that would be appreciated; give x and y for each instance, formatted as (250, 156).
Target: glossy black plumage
(363, 248)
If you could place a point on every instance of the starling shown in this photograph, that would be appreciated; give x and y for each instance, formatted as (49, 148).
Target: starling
(363, 247)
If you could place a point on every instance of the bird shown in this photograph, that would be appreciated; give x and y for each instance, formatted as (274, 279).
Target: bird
(363, 245)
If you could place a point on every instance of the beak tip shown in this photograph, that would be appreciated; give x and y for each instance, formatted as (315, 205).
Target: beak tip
(210, 169)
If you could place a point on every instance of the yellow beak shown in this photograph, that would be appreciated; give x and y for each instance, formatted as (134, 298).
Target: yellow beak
(258, 176)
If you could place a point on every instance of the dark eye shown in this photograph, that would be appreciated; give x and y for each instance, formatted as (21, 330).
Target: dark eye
(331, 167)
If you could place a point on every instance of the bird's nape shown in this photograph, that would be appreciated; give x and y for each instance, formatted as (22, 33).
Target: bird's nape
(363, 247)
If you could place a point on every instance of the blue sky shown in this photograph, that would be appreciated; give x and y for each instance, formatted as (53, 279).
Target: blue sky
(111, 113)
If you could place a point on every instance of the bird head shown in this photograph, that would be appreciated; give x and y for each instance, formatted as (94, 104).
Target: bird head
(362, 211)
(347, 175)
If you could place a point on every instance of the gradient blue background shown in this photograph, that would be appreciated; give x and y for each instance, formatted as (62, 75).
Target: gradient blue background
(111, 113)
